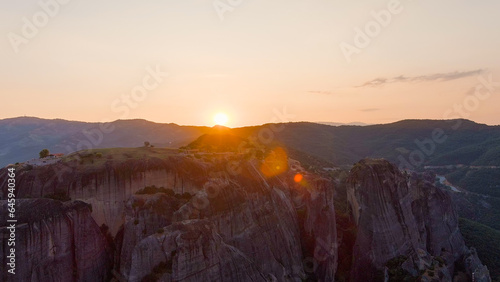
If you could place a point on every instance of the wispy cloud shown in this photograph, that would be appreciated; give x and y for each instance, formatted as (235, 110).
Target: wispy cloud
(422, 78)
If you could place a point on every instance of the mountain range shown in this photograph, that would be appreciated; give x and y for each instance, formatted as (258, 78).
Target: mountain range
(408, 143)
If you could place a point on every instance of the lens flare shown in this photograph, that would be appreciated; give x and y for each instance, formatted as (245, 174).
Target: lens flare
(298, 177)
(275, 163)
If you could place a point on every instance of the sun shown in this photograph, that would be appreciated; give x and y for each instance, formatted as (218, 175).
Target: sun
(221, 119)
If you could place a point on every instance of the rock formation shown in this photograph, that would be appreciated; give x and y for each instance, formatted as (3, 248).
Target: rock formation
(108, 185)
(191, 250)
(404, 224)
(144, 216)
(55, 242)
(247, 218)
(187, 218)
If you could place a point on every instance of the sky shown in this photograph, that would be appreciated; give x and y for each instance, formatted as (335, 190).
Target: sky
(256, 61)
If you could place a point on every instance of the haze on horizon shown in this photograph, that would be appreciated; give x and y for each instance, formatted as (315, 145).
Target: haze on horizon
(427, 61)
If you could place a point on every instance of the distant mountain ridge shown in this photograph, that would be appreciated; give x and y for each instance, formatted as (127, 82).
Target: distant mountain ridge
(342, 123)
(408, 141)
(466, 142)
(22, 138)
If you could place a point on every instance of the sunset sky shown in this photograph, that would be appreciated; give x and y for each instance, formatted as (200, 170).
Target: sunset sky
(250, 60)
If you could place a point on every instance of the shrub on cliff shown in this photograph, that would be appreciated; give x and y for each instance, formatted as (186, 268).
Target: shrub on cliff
(158, 271)
(59, 196)
(44, 153)
(396, 271)
(149, 190)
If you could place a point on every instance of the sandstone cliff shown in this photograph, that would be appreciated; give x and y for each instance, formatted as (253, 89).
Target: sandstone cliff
(246, 219)
(405, 224)
(249, 217)
(108, 184)
(271, 221)
(55, 242)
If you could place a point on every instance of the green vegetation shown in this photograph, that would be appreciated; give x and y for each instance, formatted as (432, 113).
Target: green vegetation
(158, 271)
(44, 153)
(483, 204)
(165, 202)
(185, 196)
(484, 181)
(487, 243)
(441, 261)
(149, 190)
(99, 157)
(482, 209)
(471, 144)
(59, 196)
(313, 164)
(109, 238)
(222, 141)
(396, 272)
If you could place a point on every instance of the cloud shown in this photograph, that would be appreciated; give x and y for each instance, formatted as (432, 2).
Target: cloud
(370, 110)
(422, 78)
(375, 82)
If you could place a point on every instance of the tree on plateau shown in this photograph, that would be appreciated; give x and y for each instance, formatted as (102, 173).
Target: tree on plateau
(44, 153)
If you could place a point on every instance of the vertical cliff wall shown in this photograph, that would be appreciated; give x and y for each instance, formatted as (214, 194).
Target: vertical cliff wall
(109, 185)
(211, 225)
(245, 218)
(55, 242)
(403, 222)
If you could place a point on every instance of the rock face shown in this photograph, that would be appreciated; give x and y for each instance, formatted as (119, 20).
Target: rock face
(475, 268)
(145, 215)
(191, 250)
(109, 185)
(249, 227)
(271, 221)
(319, 225)
(55, 242)
(235, 228)
(404, 222)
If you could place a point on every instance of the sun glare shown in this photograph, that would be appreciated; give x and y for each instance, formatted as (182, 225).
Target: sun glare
(298, 177)
(221, 119)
